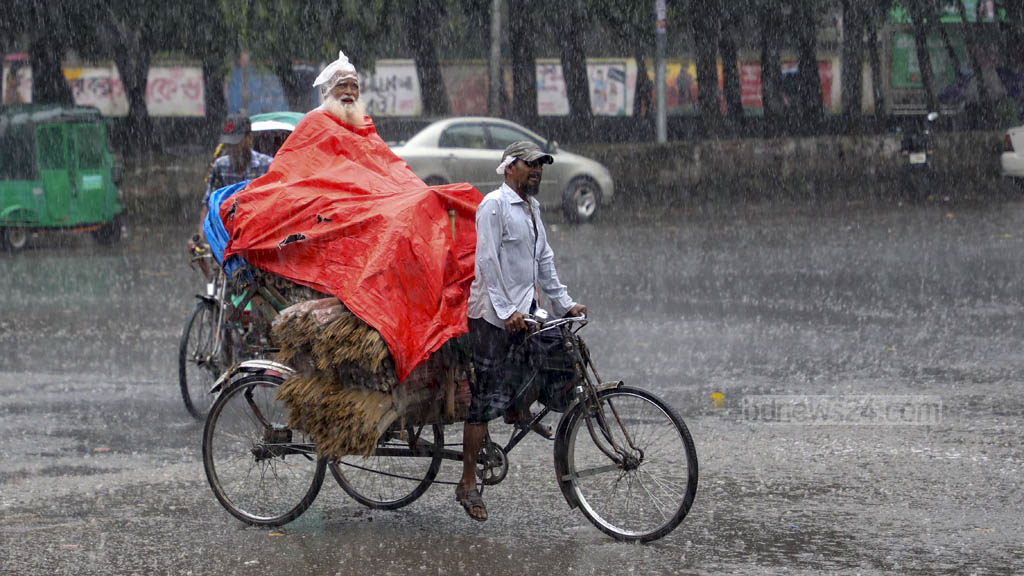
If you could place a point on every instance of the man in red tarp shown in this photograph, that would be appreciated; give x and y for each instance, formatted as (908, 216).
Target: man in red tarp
(340, 213)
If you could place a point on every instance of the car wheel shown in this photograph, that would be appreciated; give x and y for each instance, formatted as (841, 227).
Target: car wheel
(109, 233)
(13, 239)
(581, 200)
(435, 181)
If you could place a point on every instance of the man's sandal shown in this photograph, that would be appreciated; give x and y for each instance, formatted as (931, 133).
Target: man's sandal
(471, 499)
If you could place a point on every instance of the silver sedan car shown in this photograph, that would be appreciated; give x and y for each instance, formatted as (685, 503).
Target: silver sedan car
(468, 149)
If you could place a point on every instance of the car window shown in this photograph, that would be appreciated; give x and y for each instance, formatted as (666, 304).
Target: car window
(464, 136)
(502, 136)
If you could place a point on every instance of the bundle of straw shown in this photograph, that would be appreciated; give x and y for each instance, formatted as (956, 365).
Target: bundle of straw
(345, 394)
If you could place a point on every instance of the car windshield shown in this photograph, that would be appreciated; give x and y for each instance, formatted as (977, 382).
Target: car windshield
(464, 136)
(502, 136)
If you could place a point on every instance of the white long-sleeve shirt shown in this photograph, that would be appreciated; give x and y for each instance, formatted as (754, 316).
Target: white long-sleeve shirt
(511, 259)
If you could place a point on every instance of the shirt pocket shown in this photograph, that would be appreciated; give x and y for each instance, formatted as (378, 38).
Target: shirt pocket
(515, 230)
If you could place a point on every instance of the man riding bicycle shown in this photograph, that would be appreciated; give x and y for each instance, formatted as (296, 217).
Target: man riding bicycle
(512, 257)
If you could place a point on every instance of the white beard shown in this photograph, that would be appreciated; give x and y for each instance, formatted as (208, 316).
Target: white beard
(349, 113)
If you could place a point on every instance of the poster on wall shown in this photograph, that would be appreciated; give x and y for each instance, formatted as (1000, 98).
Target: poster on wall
(612, 84)
(170, 90)
(393, 89)
(681, 85)
(175, 91)
(99, 87)
(17, 80)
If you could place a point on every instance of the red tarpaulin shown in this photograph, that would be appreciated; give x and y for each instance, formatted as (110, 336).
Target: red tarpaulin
(340, 213)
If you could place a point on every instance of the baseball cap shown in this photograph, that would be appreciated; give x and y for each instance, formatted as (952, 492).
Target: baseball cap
(236, 129)
(527, 152)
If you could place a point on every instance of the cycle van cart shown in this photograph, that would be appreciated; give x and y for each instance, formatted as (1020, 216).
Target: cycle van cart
(56, 174)
(622, 455)
(230, 321)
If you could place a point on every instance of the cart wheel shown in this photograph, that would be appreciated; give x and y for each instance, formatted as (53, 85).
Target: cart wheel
(13, 239)
(199, 365)
(263, 472)
(400, 471)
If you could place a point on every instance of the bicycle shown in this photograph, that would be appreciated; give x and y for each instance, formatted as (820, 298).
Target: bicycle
(622, 455)
(224, 325)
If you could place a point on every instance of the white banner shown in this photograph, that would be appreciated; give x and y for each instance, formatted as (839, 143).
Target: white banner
(170, 90)
(392, 90)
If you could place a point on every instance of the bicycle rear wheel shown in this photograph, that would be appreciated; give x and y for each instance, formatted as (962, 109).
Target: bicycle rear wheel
(199, 364)
(645, 495)
(401, 469)
(261, 471)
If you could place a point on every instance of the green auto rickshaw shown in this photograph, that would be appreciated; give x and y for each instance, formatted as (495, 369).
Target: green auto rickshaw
(56, 172)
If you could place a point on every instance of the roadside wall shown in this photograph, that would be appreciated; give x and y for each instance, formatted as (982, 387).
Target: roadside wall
(966, 164)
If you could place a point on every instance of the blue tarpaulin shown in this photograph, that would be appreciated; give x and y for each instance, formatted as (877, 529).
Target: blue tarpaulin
(216, 234)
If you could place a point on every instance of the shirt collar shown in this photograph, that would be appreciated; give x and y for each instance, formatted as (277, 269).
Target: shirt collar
(511, 195)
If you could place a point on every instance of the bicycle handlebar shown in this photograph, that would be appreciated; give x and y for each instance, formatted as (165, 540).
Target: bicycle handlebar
(543, 325)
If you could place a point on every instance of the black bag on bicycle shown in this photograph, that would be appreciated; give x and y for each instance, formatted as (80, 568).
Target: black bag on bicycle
(555, 360)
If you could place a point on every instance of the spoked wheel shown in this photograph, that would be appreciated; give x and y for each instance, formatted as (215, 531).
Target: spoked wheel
(649, 491)
(199, 365)
(400, 471)
(263, 472)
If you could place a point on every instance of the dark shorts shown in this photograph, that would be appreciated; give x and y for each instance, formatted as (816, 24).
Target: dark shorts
(499, 367)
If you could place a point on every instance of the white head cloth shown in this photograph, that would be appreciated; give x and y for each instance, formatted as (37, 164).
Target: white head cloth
(335, 72)
(504, 164)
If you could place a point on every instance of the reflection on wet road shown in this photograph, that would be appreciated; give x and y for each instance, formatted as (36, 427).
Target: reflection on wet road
(812, 323)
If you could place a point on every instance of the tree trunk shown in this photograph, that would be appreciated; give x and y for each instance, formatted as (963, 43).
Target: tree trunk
(643, 99)
(852, 60)
(809, 82)
(924, 60)
(574, 67)
(706, 15)
(422, 28)
(46, 55)
(878, 92)
(731, 73)
(213, 84)
(524, 64)
(1015, 40)
(132, 57)
(972, 52)
(296, 90)
(771, 68)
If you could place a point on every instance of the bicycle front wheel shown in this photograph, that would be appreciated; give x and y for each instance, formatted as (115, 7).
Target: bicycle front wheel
(262, 471)
(401, 469)
(199, 363)
(645, 492)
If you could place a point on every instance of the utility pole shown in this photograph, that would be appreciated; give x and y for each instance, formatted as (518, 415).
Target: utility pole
(494, 64)
(659, 68)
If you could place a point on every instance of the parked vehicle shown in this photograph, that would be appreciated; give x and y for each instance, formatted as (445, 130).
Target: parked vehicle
(1012, 159)
(917, 149)
(468, 149)
(56, 173)
(220, 328)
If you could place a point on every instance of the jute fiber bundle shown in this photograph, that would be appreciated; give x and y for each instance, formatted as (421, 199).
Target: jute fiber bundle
(345, 394)
(324, 336)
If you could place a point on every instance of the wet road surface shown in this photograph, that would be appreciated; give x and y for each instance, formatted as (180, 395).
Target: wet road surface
(812, 323)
